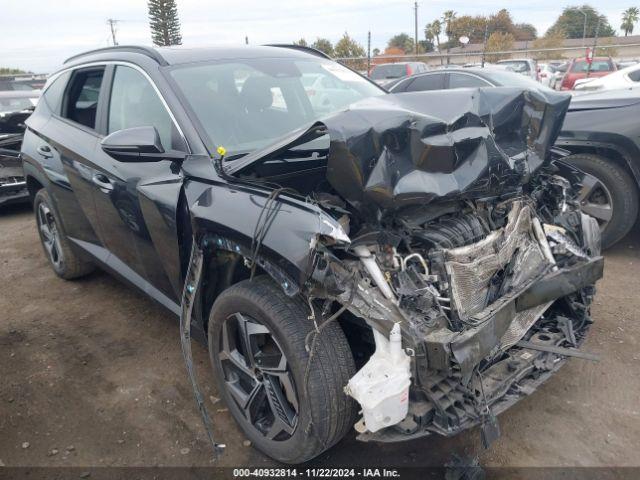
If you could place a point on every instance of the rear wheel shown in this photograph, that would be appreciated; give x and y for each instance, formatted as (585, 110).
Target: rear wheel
(57, 248)
(610, 196)
(257, 347)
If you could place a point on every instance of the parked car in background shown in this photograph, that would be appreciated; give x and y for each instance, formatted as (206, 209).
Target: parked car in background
(386, 73)
(524, 66)
(16, 105)
(628, 77)
(472, 77)
(558, 75)
(578, 68)
(547, 73)
(13, 187)
(626, 63)
(602, 132)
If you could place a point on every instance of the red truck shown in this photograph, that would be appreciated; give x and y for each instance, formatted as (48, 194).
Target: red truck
(578, 67)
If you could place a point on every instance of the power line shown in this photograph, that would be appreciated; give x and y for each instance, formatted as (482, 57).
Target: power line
(112, 25)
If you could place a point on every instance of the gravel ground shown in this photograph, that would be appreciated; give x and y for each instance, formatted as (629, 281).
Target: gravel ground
(91, 374)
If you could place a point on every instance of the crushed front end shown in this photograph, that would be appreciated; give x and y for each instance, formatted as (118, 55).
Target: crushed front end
(461, 249)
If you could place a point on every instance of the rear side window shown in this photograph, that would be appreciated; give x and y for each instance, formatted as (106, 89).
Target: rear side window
(54, 92)
(635, 76)
(135, 103)
(81, 100)
(457, 80)
(423, 83)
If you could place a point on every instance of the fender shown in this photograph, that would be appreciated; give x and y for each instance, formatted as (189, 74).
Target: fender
(625, 152)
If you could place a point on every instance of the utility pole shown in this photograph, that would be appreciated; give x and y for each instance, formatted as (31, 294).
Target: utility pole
(368, 52)
(415, 17)
(595, 45)
(112, 25)
(484, 42)
(584, 26)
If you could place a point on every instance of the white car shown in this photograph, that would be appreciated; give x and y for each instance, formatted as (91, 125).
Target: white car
(323, 90)
(547, 73)
(524, 66)
(625, 78)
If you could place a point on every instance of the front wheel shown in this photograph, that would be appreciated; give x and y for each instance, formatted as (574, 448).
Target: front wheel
(610, 196)
(257, 347)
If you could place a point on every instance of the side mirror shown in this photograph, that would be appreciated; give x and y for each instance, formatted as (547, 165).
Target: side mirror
(137, 144)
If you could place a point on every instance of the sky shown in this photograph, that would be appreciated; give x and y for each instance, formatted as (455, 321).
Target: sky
(39, 35)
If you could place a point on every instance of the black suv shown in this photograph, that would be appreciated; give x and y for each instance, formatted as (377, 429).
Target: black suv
(420, 254)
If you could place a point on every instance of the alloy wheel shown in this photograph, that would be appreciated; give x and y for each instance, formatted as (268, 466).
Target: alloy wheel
(50, 235)
(596, 200)
(257, 377)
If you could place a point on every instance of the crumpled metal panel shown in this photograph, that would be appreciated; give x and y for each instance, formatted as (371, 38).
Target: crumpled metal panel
(472, 267)
(394, 150)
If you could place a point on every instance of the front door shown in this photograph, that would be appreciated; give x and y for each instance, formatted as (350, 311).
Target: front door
(136, 202)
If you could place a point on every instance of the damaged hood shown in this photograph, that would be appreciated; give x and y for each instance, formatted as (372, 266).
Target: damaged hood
(417, 147)
(390, 151)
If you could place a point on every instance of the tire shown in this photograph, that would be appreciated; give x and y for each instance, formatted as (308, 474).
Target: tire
(622, 190)
(324, 412)
(55, 243)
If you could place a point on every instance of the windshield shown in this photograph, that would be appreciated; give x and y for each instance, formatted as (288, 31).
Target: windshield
(389, 71)
(517, 65)
(505, 78)
(249, 103)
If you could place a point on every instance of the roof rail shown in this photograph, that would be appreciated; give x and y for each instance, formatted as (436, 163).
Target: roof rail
(148, 51)
(303, 48)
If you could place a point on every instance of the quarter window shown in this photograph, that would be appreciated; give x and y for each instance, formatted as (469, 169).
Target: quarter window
(81, 102)
(135, 103)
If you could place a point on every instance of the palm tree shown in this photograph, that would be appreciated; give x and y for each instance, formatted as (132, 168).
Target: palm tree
(433, 31)
(447, 18)
(629, 19)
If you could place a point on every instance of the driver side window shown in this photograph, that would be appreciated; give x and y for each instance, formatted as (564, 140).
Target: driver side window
(135, 103)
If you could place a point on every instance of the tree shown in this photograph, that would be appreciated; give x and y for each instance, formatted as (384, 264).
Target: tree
(324, 45)
(629, 19)
(525, 31)
(10, 71)
(551, 40)
(402, 41)
(469, 26)
(447, 18)
(433, 31)
(164, 22)
(499, 42)
(571, 23)
(347, 47)
(376, 52)
(302, 42)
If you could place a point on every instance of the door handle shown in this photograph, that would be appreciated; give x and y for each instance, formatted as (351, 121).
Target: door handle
(45, 151)
(103, 182)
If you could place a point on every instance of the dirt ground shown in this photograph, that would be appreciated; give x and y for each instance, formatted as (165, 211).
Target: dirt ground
(91, 374)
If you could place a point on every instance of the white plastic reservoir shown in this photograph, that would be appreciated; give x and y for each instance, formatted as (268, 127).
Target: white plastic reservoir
(382, 385)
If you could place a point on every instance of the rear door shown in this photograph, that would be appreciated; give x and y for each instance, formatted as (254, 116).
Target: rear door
(136, 202)
(65, 146)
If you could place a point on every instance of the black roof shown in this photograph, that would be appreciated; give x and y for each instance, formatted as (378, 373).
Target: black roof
(178, 55)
